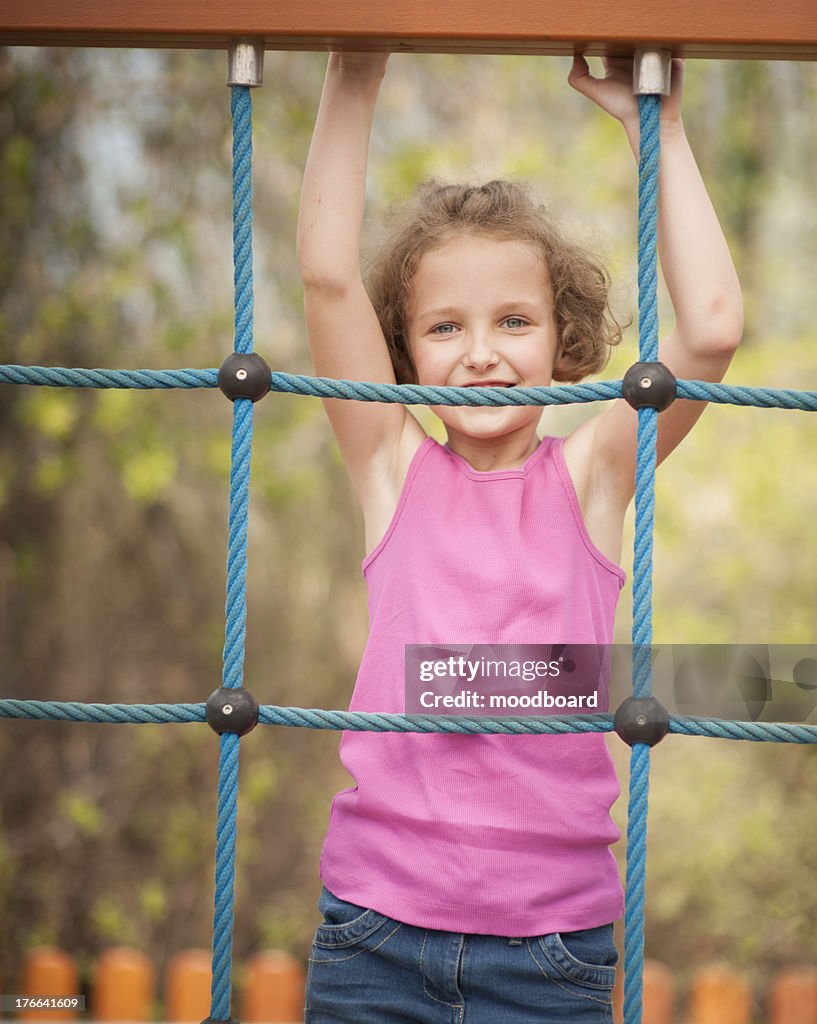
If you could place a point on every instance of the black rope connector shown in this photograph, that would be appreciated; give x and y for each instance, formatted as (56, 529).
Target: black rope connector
(650, 385)
(231, 709)
(244, 375)
(641, 720)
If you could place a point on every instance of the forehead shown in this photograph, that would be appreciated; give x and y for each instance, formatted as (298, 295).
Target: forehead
(468, 265)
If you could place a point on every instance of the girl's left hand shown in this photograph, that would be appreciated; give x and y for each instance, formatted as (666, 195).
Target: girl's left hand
(614, 92)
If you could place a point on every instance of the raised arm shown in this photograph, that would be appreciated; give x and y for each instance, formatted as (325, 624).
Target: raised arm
(701, 278)
(334, 185)
(344, 333)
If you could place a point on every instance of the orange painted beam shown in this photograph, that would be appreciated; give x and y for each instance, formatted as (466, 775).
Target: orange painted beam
(754, 29)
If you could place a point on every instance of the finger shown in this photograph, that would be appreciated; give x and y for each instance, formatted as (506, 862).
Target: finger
(580, 65)
(580, 77)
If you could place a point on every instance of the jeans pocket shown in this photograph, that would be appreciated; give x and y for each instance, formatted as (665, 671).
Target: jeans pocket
(345, 924)
(587, 957)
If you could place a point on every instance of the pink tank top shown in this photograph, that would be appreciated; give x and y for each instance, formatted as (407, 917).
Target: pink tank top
(489, 834)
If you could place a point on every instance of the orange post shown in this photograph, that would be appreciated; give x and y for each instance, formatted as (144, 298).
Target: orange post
(48, 972)
(793, 996)
(658, 999)
(187, 988)
(274, 990)
(659, 993)
(124, 985)
(720, 995)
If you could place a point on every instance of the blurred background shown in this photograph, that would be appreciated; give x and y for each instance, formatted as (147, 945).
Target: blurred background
(116, 251)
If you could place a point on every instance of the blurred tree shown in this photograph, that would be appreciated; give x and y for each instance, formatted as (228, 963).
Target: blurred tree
(113, 513)
(115, 242)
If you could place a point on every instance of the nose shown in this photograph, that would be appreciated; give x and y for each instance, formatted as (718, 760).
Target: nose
(480, 352)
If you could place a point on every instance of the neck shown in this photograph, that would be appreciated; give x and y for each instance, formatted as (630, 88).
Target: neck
(494, 453)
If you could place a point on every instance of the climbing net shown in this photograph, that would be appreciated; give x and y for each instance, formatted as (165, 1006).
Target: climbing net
(245, 378)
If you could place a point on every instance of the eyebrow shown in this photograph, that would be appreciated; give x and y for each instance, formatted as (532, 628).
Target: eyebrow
(437, 314)
(521, 305)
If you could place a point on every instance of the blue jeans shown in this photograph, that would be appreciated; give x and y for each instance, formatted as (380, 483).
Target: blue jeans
(366, 968)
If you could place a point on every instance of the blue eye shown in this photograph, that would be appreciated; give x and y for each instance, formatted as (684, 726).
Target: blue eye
(443, 329)
(515, 321)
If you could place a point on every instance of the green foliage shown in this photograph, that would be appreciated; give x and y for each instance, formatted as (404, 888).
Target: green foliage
(81, 812)
(112, 922)
(737, 492)
(51, 412)
(738, 843)
(153, 899)
(260, 783)
(147, 474)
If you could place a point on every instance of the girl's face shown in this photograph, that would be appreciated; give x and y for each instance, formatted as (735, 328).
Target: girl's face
(481, 310)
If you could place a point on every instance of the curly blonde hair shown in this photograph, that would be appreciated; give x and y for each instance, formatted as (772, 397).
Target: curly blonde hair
(587, 330)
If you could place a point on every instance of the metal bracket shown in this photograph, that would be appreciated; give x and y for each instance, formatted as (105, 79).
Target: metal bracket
(245, 62)
(652, 72)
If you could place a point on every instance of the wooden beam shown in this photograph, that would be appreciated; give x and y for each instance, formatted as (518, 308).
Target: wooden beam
(730, 29)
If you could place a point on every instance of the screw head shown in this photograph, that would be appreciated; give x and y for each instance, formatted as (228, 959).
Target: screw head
(641, 720)
(231, 709)
(244, 375)
(649, 385)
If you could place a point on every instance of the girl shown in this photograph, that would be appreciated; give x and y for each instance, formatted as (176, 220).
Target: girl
(470, 878)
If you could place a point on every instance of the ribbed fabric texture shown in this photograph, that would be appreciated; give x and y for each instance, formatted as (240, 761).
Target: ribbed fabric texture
(491, 834)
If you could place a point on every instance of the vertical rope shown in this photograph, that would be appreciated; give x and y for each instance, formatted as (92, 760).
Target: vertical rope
(225, 877)
(236, 609)
(241, 109)
(650, 114)
(650, 110)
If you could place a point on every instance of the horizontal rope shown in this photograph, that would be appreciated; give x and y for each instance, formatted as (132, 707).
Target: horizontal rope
(118, 714)
(406, 394)
(725, 729)
(310, 718)
(361, 721)
(737, 394)
(60, 377)
(423, 394)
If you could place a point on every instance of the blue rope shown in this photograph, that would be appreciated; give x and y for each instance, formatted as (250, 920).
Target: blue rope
(406, 394)
(225, 877)
(241, 109)
(649, 113)
(59, 377)
(634, 883)
(369, 721)
(236, 608)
